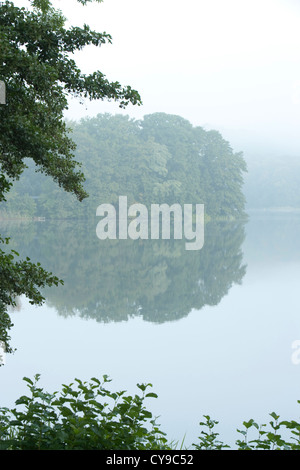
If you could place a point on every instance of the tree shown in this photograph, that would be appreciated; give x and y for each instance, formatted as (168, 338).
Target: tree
(160, 158)
(203, 162)
(40, 74)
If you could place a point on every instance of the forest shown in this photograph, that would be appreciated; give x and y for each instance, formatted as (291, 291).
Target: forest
(160, 159)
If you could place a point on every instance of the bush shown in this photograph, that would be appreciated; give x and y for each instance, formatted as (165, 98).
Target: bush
(267, 439)
(87, 416)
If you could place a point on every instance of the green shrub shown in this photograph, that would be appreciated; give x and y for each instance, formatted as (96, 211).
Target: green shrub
(87, 416)
(266, 438)
(83, 416)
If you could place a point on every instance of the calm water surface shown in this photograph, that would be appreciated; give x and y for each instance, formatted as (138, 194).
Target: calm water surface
(211, 330)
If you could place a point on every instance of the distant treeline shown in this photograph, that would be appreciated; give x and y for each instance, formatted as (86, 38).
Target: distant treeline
(159, 159)
(273, 182)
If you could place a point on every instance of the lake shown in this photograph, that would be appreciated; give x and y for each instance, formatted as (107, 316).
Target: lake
(213, 330)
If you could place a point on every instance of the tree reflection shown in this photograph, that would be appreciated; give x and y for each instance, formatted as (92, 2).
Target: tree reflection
(114, 280)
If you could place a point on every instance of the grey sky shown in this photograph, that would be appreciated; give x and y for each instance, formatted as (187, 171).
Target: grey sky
(232, 65)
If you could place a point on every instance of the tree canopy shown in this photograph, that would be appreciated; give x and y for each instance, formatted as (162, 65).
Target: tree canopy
(37, 67)
(39, 73)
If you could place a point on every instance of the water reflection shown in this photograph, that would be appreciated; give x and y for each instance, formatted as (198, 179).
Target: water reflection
(113, 280)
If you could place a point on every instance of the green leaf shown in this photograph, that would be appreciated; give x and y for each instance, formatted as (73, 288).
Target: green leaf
(153, 395)
(26, 379)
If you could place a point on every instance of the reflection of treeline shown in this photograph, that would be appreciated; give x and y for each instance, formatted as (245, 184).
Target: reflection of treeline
(160, 159)
(114, 280)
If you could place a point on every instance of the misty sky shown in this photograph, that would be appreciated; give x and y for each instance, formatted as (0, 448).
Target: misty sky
(230, 65)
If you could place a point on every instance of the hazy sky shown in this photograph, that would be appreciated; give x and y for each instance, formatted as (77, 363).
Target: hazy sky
(232, 65)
